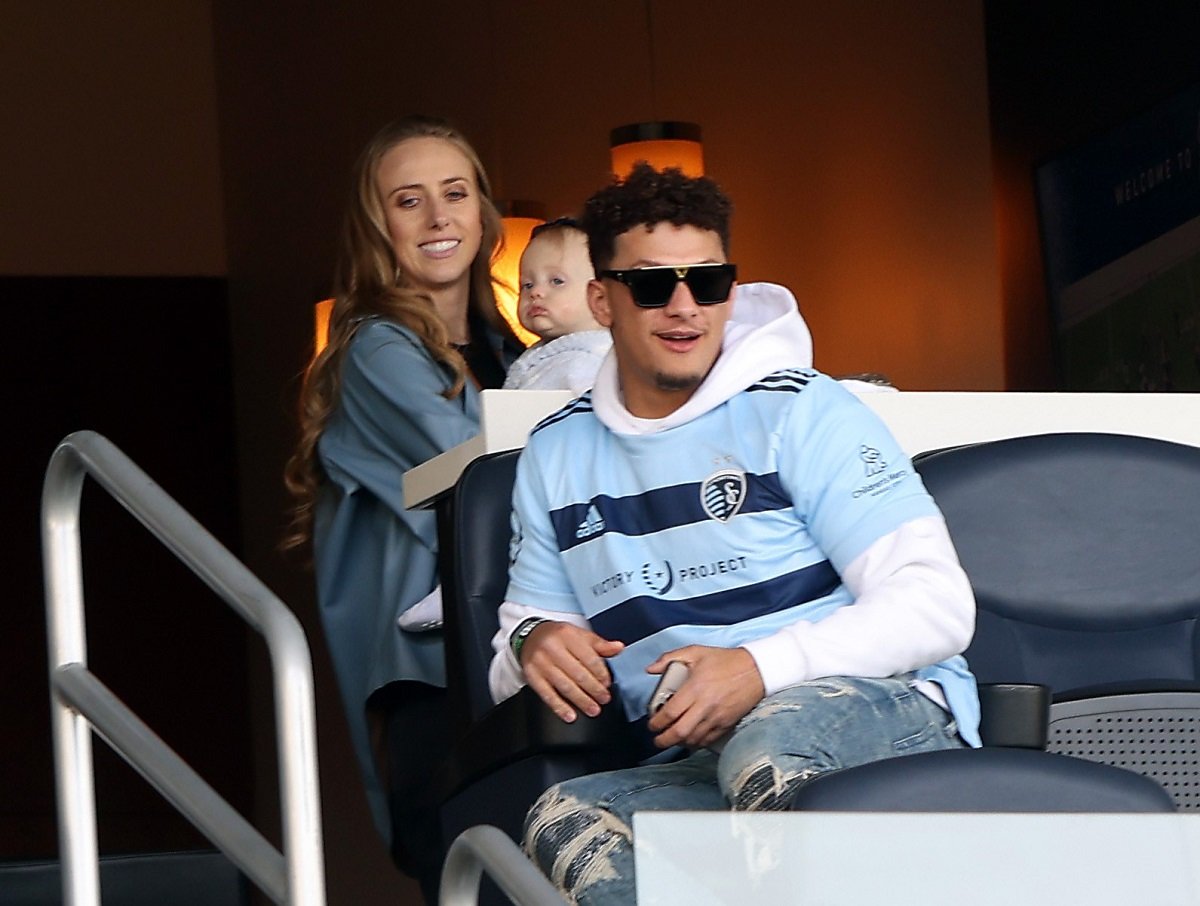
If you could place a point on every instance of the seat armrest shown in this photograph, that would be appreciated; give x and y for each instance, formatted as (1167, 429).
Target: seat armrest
(523, 726)
(1014, 715)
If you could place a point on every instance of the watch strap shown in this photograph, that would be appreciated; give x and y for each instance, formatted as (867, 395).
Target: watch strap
(517, 640)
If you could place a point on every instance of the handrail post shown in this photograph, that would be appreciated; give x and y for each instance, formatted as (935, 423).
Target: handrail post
(303, 848)
(80, 703)
(302, 879)
(484, 847)
(67, 640)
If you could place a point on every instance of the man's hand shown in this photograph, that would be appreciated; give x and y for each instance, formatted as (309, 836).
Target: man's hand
(723, 684)
(564, 664)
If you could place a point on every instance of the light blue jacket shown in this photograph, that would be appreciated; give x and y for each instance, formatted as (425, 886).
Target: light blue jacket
(374, 559)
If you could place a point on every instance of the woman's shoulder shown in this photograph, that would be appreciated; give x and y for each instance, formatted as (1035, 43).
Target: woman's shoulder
(375, 331)
(376, 336)
(381, 350)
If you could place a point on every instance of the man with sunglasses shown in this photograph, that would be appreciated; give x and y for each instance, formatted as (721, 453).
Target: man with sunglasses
(712, 502)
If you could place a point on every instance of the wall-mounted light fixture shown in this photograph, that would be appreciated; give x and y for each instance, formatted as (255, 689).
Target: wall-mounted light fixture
(519, 219)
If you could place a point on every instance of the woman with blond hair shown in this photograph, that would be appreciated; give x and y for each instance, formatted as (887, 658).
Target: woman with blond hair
(413, 335)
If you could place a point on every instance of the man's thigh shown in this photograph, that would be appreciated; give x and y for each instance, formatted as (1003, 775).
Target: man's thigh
(690, 783)
(832, 723)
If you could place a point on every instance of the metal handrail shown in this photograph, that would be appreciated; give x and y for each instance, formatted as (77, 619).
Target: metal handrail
(79, 702)
(486, 847)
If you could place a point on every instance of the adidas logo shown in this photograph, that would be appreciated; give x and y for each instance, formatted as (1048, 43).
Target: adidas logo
(593, 524)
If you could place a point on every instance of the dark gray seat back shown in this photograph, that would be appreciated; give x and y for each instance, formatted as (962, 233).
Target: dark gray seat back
(1083, 553)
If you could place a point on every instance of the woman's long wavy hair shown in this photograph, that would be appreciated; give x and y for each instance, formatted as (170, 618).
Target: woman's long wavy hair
(369, 282)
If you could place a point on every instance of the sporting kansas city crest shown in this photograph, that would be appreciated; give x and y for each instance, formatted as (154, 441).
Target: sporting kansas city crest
(723, 493)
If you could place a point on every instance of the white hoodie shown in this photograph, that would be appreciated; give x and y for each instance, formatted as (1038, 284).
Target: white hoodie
(764, 334)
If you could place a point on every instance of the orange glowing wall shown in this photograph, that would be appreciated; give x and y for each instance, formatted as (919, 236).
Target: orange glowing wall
(853, 140)
(506, 272)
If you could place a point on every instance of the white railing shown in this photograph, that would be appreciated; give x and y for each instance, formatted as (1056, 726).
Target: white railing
(80, 703)
(486, 848)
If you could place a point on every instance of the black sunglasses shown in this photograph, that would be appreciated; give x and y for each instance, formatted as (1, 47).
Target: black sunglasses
(652, 287)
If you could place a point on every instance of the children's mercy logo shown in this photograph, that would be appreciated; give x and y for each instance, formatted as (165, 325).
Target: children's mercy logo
(593, 523)
(879, 479)
(872, 460)
(723, 493)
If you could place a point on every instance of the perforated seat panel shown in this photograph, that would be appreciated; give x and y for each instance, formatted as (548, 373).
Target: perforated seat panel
(1154, 734)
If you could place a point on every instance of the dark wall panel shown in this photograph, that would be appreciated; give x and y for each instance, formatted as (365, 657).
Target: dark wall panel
(144, 361)
(1059, 73)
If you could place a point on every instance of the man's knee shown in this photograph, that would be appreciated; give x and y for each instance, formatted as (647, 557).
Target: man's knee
(767, 785)
(574, 841)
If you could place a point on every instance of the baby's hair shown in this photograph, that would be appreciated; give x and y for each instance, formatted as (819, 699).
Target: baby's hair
(559, 226)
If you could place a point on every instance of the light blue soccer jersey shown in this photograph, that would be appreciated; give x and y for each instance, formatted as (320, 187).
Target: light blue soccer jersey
(718, 531)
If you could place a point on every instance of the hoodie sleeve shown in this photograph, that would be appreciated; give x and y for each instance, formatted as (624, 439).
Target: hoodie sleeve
(913, 606)
(867, 509)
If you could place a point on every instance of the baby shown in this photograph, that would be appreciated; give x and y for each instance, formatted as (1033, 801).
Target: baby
(555, 271)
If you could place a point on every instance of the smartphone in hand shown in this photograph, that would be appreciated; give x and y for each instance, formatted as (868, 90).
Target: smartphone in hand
(673, 677)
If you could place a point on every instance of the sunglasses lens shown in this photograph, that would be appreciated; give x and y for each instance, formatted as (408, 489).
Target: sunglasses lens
(710, 285)
(652, 288)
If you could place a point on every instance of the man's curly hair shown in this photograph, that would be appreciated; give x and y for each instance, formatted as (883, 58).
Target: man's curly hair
(648, 196)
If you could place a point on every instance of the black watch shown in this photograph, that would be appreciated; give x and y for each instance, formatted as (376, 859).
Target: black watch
(517, 640)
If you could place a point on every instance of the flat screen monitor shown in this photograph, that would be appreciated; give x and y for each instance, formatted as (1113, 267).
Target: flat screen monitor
(1120, 230)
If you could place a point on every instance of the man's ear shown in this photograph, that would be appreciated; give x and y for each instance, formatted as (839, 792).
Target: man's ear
(597, 297)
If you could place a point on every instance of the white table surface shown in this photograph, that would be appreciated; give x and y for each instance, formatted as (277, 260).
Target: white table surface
(862, 859)
(920, 420)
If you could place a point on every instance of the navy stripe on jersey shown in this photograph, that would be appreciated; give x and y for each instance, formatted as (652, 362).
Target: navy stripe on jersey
(635, 619)
(656, 510)
(583, 404)
(790, 381)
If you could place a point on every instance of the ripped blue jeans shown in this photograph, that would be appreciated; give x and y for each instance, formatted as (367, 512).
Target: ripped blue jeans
(579, 832)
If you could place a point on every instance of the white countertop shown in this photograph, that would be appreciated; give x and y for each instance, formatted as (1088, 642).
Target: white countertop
(915, 859)
(920, 420)
(505, 419)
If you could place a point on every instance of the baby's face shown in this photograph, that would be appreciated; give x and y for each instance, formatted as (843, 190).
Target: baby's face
(555, 271)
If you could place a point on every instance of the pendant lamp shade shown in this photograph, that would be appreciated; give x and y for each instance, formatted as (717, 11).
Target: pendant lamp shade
(661, 144)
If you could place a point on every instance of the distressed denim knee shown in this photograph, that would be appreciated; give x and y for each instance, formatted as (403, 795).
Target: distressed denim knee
(580, 832)
(574, 842)
(800, 732)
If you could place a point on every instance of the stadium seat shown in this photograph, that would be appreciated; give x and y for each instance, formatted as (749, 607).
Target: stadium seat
(1081, 549)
